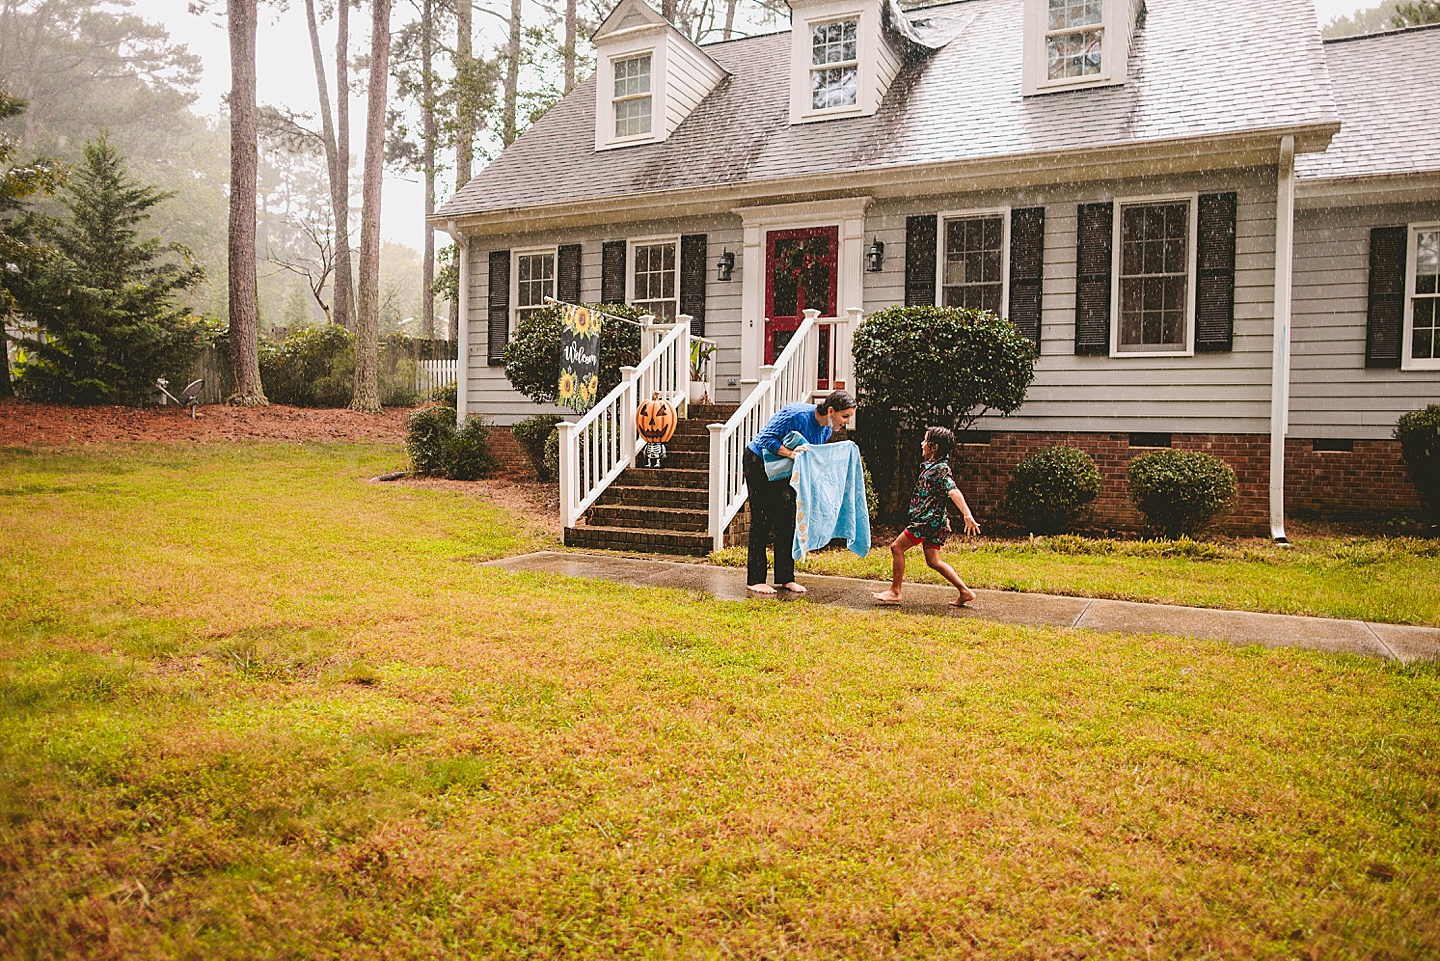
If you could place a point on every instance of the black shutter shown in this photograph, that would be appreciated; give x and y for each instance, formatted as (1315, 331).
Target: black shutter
(1027, 269)
(1215, 273)
(920, 236)
(499, 305)
(567, 273)
(692, 281)
(1385, 319)
(612, 272)
(1095, 223)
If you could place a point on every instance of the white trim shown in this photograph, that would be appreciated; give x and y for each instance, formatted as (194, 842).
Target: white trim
(646, 42)
(649, 57)
(1412, 257)
(515, 255)
(462, 352)
(1114, 51)
(630, 245)
(1280, 340)
(1120, 203)
(1004, 214)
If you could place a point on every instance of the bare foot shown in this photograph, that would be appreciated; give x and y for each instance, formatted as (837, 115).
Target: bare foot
(886, 597)
(966, 596)
(760, 589)
(795, 587)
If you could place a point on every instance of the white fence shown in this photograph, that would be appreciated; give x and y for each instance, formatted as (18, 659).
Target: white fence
(432, 374)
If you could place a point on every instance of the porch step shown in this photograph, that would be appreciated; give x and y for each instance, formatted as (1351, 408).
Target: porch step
(684, 459)
(687, 498)
(710, 413)
(664, 477)
(646, 517)
(693, 543)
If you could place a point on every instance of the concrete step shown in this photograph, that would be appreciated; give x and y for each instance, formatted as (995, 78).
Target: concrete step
(637, 516)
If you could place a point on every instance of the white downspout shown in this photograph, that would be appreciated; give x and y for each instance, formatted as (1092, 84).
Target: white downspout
(462, 348)
(1280, 345)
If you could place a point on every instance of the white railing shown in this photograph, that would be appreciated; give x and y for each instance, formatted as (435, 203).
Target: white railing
(431, 374)
(597, 448)
(791, 379)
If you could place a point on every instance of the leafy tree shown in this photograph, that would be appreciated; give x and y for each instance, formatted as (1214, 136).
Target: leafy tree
(1416, 14)
(532, 358)
(105, 299)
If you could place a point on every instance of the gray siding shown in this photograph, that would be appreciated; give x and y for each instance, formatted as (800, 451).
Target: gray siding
(1205, 393)
(1332, 394)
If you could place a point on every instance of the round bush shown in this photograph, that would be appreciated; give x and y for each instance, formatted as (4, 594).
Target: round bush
(1050, 488)
(430, 439)
(531, 434)
(552, 454)
(472, 458)
(1179, 491)
(1419, 435)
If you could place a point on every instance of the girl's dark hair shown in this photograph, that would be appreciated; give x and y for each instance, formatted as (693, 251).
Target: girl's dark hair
(942, 439)
(838, 400)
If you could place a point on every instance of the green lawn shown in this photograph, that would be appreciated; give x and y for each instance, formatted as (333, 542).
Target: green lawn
(253, 706)
(1393, 580)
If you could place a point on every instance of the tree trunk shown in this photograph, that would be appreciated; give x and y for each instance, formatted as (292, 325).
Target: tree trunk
(367, 348)
(244, 157)
(512, 77)
(339, 179)
(344, 265)
(465, 134)
(428, 133)
(667, 10)
(729, 17)
(570, 41)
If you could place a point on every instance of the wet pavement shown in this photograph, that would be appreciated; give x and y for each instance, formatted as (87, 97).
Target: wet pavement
(1389, 641)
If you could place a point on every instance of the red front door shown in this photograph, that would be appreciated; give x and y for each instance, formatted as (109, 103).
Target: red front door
(799, 274)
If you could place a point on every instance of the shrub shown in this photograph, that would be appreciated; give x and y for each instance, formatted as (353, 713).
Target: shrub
(473, 458)
(313, 367)
(552, 454)
(430, 439)
(1178, 491)
(531, 434)
(1419, 435)
(917, 367)
(532, 358)
(1050, 488)
(446, 394)
(397, 389)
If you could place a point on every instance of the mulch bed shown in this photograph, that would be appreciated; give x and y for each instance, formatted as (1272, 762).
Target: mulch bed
(25, 424)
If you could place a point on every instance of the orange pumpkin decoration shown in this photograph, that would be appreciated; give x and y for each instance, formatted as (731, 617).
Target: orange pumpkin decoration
(656, 419)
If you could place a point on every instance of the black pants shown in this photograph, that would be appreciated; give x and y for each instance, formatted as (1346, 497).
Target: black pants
(772, 522)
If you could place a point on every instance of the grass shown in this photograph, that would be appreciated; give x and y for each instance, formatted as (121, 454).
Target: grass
(253, 706)
(1390, 580)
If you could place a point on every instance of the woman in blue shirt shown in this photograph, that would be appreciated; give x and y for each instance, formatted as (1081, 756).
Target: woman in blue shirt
(772, 503)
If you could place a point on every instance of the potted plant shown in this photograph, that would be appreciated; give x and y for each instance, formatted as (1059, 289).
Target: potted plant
(700, 353)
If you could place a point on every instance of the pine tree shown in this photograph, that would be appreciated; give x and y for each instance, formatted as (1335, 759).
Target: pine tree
(104, 299)
(1417, 14)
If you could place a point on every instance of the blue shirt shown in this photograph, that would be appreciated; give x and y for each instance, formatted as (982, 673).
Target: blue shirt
(799, 417)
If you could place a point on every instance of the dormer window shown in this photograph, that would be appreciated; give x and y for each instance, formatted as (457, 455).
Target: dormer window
(633, 108)
(834, 64)
(1074, 39)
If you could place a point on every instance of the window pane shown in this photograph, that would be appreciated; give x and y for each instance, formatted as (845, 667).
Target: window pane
(655, 280)
(632, 77)
(834, 87)
(1154, 275)
(1074, 54)
(1424, 319)
(973, 271)
(1074, 13)
(833, 43)
(632, 117)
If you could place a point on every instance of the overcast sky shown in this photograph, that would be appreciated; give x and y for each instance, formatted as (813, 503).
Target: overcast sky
(286, 77)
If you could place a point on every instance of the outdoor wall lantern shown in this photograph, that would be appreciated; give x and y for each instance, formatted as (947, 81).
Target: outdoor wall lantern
(875, 256)
(726, 266)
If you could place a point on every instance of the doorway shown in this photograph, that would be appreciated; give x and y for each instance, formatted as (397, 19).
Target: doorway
(800, 274)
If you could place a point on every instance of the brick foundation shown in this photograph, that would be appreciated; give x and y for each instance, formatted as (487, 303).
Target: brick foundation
(1369, 482)
(513, 462)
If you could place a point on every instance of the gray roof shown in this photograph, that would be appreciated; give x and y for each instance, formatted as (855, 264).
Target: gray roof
(1387, 87)
(1198, 70)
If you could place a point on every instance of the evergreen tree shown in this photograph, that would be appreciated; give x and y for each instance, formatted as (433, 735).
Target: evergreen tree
(104, 299)
(1417, 14)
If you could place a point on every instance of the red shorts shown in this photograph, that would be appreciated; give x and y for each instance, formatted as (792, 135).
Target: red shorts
(916, 538)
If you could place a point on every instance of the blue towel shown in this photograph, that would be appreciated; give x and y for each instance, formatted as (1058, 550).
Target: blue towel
(829, 483)
(777, 467)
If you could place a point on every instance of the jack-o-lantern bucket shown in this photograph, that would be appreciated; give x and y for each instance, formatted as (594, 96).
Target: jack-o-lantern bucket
(655, 419)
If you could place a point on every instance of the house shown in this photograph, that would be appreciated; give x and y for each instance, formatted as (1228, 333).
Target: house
(1220, 231)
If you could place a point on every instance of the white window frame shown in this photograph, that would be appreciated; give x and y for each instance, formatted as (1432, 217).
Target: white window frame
(673, 240)
(1114, 55)
(1191, 273)
(1412, 259)
(648, 135)
(842, 109)
(515, 256)
(947, 215)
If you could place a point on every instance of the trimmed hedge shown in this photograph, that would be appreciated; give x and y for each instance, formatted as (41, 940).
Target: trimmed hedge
(1051, 487)
(1419, 435)
(1180, 492)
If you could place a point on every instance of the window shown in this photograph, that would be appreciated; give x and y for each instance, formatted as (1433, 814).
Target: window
(632, 97)
(834, 64)
(973, 271)
(534, 281)
(1423, 318)
(1074, 38)
(1154, 277)
(654, 279)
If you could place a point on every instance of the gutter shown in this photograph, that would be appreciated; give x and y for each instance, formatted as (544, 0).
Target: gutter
(1280, 343)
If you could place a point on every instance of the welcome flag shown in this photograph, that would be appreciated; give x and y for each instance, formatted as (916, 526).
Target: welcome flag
(579, 358)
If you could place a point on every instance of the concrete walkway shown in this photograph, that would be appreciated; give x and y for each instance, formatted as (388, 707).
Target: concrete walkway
(1390, 641)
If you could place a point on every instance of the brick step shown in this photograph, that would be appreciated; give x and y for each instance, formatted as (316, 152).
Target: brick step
(648, 517)
(683, 459)
(691, 443)
(693, 543)
(664, 477)
(685, 498)
(710, 413)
